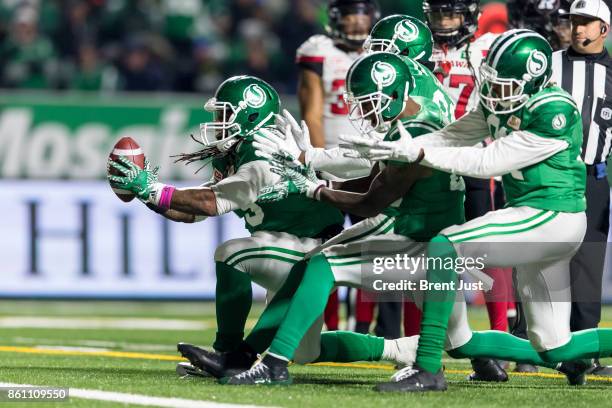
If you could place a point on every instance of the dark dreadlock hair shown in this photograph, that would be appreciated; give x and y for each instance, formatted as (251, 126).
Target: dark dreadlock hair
(207, 154)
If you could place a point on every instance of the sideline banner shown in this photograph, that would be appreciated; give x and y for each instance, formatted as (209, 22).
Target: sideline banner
(76, 239)
(47, 136)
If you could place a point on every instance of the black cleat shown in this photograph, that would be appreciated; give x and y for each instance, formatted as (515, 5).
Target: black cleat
(186, 370)
(414, 379)
(269, 371)
(217, 364)
(525, 368)
(597, 369)
(487, 370)
(575, 371)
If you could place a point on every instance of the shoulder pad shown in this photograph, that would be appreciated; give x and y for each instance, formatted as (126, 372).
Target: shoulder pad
(485, 40)
(545, 100)
(316, 46)
(551, 114)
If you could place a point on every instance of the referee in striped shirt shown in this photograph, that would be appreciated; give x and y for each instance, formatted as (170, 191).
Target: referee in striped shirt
(585, 71)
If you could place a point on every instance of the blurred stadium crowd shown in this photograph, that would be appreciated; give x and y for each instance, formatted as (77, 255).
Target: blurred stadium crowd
(155, 45)
(164, 45)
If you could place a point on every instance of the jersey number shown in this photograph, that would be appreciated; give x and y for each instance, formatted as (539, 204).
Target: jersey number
(254, 215)
(440, 100)
(457, 81)
(339, 107)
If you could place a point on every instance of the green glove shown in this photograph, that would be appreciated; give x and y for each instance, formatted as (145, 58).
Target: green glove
(298, 180)
(141, 182)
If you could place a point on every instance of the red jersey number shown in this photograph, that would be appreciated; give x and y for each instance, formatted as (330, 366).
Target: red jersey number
(339, 107)
(457, 81)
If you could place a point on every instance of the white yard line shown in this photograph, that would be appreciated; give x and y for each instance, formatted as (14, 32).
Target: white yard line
(138, 399)
(122, 345)
(101, 323)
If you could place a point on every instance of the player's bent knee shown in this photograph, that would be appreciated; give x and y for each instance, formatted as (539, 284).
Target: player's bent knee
(229, 248)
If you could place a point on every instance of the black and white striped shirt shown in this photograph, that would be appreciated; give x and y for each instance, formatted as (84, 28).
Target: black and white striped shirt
(589, 79)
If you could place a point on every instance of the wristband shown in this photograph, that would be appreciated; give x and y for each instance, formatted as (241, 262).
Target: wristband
(160, 195)
(165, 197)
(316, 194)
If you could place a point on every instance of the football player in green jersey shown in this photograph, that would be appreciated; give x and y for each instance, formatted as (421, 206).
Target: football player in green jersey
(537, 136)
(416, 203)
(281, 233)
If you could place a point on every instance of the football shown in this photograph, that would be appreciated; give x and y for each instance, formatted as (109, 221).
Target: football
(128, 148)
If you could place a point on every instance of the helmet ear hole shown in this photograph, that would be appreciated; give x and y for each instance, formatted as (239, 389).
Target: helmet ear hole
(253, 117)
(394, 95)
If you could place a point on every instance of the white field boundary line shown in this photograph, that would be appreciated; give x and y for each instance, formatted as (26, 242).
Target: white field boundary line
(139, 399)
(22, 322)
(122, 345)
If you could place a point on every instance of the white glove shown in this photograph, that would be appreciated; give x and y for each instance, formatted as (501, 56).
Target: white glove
(299, 132)
(402, 150)
(271, 147)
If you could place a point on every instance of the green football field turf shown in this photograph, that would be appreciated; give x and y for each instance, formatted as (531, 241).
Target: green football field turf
(129, 347)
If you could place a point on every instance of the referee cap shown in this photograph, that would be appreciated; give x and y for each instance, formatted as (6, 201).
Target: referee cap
(591, 8)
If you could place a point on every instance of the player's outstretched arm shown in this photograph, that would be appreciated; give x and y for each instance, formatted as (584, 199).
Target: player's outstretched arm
(469, 130)
(518, 150)
(145, 185)
(387, 187)
(331, 161)
(177, 216)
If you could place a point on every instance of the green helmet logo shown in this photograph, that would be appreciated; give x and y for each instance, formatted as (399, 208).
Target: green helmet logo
(383, 74)
(536, 63)
(406, 31)
(254, 96)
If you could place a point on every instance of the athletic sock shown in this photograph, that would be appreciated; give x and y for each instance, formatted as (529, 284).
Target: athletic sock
(501, 346)
(233, 299)
(269, 321)
(345, 347)
(584, 344)
(307, 305)
(438, 304)
(402, 350)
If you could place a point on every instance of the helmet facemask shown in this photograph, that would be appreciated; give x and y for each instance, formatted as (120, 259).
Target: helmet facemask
(436, 11)
(370, 114)
(501, 95)
(366, 111)
(380, 44)
(224, 124)
(352, 32)
(437, 17)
